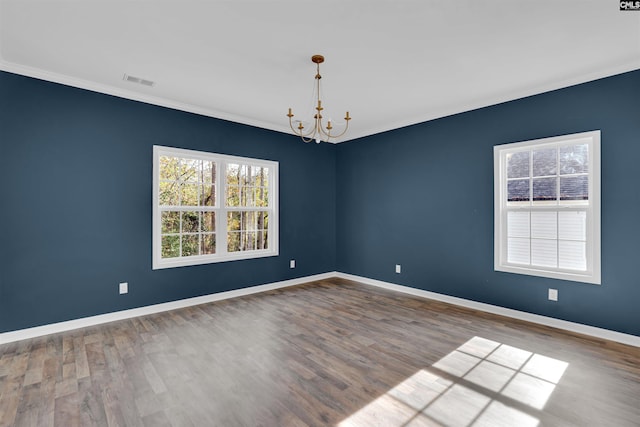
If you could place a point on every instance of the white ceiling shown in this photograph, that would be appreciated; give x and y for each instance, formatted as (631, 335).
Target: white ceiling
(391, 63)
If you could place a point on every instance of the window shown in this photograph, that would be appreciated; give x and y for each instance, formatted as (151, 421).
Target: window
(212, 208)
(547, 207)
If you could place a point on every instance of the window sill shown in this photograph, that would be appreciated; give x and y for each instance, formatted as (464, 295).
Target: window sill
(589, 278)
(200, 260)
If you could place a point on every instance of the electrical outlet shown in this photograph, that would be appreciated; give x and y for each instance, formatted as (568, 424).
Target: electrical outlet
(124, 288)
(398, 268)
(292, 263)
(553, 295)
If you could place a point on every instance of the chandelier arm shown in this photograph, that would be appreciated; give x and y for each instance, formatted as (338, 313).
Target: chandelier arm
(313, 132)
(303, 136)
(299, 132)
(346, 128)
(306, 139)
(329, 135)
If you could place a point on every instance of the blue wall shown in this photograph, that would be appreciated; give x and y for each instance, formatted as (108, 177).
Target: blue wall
(76, 203)
(422, 197)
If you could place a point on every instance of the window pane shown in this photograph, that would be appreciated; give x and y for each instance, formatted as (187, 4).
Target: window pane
(249, 219)
(169, 194)
(208, 195)
(233, 241)
(572, 255)
(574, 188)
(544, 189)
(518, 251)
(572, 225)
(208, 222)
(170, 222)
(247, 186)
(262, 197)
(169, 168)
(249, 175)
(574, 159)
(208, 172)
(208, 244)
(233, 174)
(170, 246)
(518, 224)
(248, 194)
(241, 174)
(260, 220)
(518, 165)
(233, 196)
(258, 175)
(248, 241)
(262, 240)
(190, 222)
(190, 170)
(246, 220)
(189, 194)
(545, 162)
(544, 225)
(190, 245)
(544, 253)
(234, 221)
(242, 199)
(518, 190)
(261, 176)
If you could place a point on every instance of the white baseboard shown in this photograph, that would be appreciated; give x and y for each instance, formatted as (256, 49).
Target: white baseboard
(515, 314)
(84, 322)
(53, 328)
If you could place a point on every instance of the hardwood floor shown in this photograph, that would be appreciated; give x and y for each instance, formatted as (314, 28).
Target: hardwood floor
(326, 353)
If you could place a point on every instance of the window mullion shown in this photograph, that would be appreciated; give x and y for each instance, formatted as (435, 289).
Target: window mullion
(505, 210)
(221, 217)
(557, 207)
(530, 206)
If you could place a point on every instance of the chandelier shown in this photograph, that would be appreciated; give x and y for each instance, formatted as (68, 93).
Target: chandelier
(318, 131)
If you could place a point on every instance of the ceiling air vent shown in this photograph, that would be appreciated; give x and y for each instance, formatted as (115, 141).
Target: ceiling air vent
(138, 80)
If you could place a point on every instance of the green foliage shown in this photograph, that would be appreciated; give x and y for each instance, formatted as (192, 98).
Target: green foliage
(191, 182)
(187, 182)
(170, 246)
(208, 244)
(170, 222)
(247, 186)
(247, 230)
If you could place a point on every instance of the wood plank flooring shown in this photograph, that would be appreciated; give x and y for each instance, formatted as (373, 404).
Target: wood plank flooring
(326, 353)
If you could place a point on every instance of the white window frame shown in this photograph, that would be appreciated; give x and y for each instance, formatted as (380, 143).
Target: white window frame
(592, 208)
(221, 255)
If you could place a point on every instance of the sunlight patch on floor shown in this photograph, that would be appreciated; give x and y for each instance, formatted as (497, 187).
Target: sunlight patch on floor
(481, 383)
